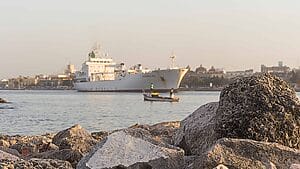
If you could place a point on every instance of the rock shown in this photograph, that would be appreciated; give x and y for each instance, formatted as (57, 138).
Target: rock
(29, 145)
(261, 107)
(2, 100)
(48, 147)
(6, 164)
(7, 156)
(72, 156)
(295, 166)
(165, 130)
(10, 151)
(132, 149)
(161, 131)
(221, 166)
(100, 135)
(245, 153)
(50, 164)
(196, 133)
(4, 143)
(189, 161)
(35, 164)
(25, 149)
(75, 138)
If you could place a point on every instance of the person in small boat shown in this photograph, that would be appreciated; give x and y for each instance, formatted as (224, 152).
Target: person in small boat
(151, 87)
(172, 93)
(152, 92)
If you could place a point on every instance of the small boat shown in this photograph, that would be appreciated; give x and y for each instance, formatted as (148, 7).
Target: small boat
(157, 97)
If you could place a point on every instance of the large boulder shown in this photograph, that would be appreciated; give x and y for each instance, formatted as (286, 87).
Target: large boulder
(245, 153)
(261, 107)
(75, 138)
(132, 149)
(196, 133)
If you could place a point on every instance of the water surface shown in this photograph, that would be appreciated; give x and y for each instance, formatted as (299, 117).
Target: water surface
(38, 112)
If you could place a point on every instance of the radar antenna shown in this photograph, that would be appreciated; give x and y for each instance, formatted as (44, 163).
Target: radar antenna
(97, 49)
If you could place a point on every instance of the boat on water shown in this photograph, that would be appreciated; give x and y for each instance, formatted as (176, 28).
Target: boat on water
(154, 97)
(101, 74)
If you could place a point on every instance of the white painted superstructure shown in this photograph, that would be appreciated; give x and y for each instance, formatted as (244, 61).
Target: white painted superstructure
(103, 74)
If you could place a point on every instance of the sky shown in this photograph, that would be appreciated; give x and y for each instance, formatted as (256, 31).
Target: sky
(43, 36)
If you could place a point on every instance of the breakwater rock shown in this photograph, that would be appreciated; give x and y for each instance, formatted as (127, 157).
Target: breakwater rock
(245, 153)
(66, 148)
(132, 149)
(262, 108)
(255, 124)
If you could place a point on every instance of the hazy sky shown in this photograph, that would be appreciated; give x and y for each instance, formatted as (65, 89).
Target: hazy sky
(42, 36)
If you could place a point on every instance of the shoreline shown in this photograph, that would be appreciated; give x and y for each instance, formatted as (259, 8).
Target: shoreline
(204, 89)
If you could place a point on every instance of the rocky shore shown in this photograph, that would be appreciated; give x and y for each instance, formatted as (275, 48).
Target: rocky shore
(256, 124)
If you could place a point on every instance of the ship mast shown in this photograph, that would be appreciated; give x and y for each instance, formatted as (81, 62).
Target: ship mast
(172, 60)
(97, 49)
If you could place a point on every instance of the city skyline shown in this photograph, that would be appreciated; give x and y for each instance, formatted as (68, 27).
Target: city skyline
(42, 37)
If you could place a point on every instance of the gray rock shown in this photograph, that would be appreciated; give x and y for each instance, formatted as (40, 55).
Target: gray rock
(196, 133)
(7, 156)
(50, 164)
(295, 166)
(100, 135)
(245, 153)
(29, 145)
(132, 149)
(262, 108)
(75, 138)
(25, 149)
(163, 131)
(72, 156)
(10, 151)
(189, 161)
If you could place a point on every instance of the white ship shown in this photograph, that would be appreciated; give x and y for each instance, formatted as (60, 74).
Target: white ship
(102, 74)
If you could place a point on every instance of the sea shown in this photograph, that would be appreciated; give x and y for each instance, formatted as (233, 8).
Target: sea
(35, 112)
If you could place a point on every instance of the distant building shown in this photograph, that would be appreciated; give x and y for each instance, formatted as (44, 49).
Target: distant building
(214, 72)
(3, 84)
(242, 73)
(22, 82)
(275, 69)
(280, 70)
(70, 69)
(201, 70)
(41, 81)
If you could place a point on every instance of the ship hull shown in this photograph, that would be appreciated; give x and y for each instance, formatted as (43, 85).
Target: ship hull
(163, 80)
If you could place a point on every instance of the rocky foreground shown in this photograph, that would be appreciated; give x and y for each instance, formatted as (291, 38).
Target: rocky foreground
(256, 124)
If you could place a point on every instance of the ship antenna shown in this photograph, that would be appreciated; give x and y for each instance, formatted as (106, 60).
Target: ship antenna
(172, 60)
(97, 49)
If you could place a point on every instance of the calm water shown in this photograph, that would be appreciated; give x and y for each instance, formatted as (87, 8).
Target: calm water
(38, 112)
